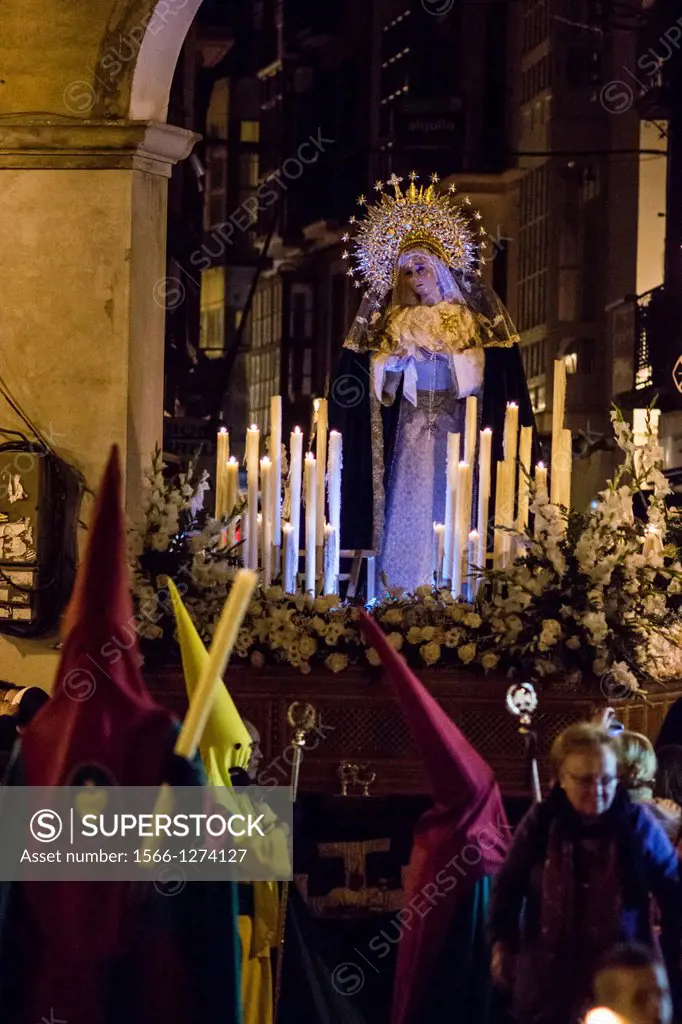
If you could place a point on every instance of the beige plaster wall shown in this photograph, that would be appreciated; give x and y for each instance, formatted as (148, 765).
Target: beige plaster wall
(67, 255)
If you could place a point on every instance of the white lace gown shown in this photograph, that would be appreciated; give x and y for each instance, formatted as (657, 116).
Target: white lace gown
(416, 479)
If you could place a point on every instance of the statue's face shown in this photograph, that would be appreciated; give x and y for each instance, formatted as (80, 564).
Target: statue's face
(418, 276)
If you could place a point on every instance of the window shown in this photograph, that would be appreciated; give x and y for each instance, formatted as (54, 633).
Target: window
(533, 247)
(307, 375)
(265, 352)
(533, 356)
(577, 355)
(212, 336)
(537, 398)
(249, 131)
(217, 187)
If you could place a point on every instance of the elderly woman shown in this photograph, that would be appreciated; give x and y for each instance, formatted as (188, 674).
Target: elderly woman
(577, 881)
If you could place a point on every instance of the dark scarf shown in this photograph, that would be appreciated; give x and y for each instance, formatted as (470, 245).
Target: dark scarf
(591, 871)
(614, 823)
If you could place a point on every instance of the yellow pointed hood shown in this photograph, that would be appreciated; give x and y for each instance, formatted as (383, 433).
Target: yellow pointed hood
(226, 742)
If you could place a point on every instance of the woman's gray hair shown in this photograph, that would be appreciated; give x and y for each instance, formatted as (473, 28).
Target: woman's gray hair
(581, 738)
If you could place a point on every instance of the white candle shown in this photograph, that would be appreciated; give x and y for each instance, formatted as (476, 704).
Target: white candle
(335, 468)
(222, 455)
(524, 478)
(484, 466)
(295, 482)
(541, 482)
(252, 453)
(509, 481)
(461, 528)
(321, 419)
(276, 456)
(470, 426)
(310, 521)
(511, 432)
(438, 552)
(510, 444)
(566, 466)
(472, 568)
(259, 529)
(266, 478)
(290, 558)
(499, 516)
(451, 491)
(330, 577)
(558, 406)
(244, 537)
(232, 496)
(541, 495)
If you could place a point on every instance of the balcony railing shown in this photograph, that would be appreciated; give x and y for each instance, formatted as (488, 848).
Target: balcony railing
(645, 313)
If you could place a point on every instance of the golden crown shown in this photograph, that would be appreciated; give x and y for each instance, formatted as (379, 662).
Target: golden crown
(416, 217)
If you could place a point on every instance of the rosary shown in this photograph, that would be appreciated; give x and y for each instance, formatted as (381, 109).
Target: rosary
(430, 418)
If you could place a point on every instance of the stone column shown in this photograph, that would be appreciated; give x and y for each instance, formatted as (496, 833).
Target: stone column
(82, 286)
(82, 251)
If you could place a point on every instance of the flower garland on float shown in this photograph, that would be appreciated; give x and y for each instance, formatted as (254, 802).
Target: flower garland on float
(595, 593)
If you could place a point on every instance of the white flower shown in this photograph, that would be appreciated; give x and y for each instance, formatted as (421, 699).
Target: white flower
(467, 653)
(550, 634)
(396, 641)
(336, 662)
(307, 646)
(473, 619)
(430, 653)
(622, 677)
(595, 624)
(489, 660)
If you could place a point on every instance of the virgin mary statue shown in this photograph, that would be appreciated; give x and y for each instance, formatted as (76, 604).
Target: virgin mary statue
(427, 335)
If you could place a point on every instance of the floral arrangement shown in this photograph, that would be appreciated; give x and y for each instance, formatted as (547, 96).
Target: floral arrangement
(594, 593)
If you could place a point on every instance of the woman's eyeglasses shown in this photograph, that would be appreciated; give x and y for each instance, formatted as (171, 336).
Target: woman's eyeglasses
(590, 781)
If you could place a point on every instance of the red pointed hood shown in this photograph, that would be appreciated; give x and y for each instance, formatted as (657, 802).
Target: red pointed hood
(101, 725)
(467, 821)
(101, 713)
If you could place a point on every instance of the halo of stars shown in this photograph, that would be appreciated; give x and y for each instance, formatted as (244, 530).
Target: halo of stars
(415, 216)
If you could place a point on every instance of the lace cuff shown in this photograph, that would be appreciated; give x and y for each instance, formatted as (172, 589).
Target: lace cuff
(468, 369)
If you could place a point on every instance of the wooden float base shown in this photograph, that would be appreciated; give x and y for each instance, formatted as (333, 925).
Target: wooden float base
(359, 722)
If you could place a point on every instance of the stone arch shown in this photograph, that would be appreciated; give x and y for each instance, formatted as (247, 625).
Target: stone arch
(100, 60)
(84, 159)
(158, 58)
(137, 56)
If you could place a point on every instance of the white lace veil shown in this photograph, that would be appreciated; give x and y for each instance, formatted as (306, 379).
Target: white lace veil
(455, 287)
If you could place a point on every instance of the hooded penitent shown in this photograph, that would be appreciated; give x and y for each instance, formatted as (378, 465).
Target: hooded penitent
(226, 744)
(104, 952)
(459, 841)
